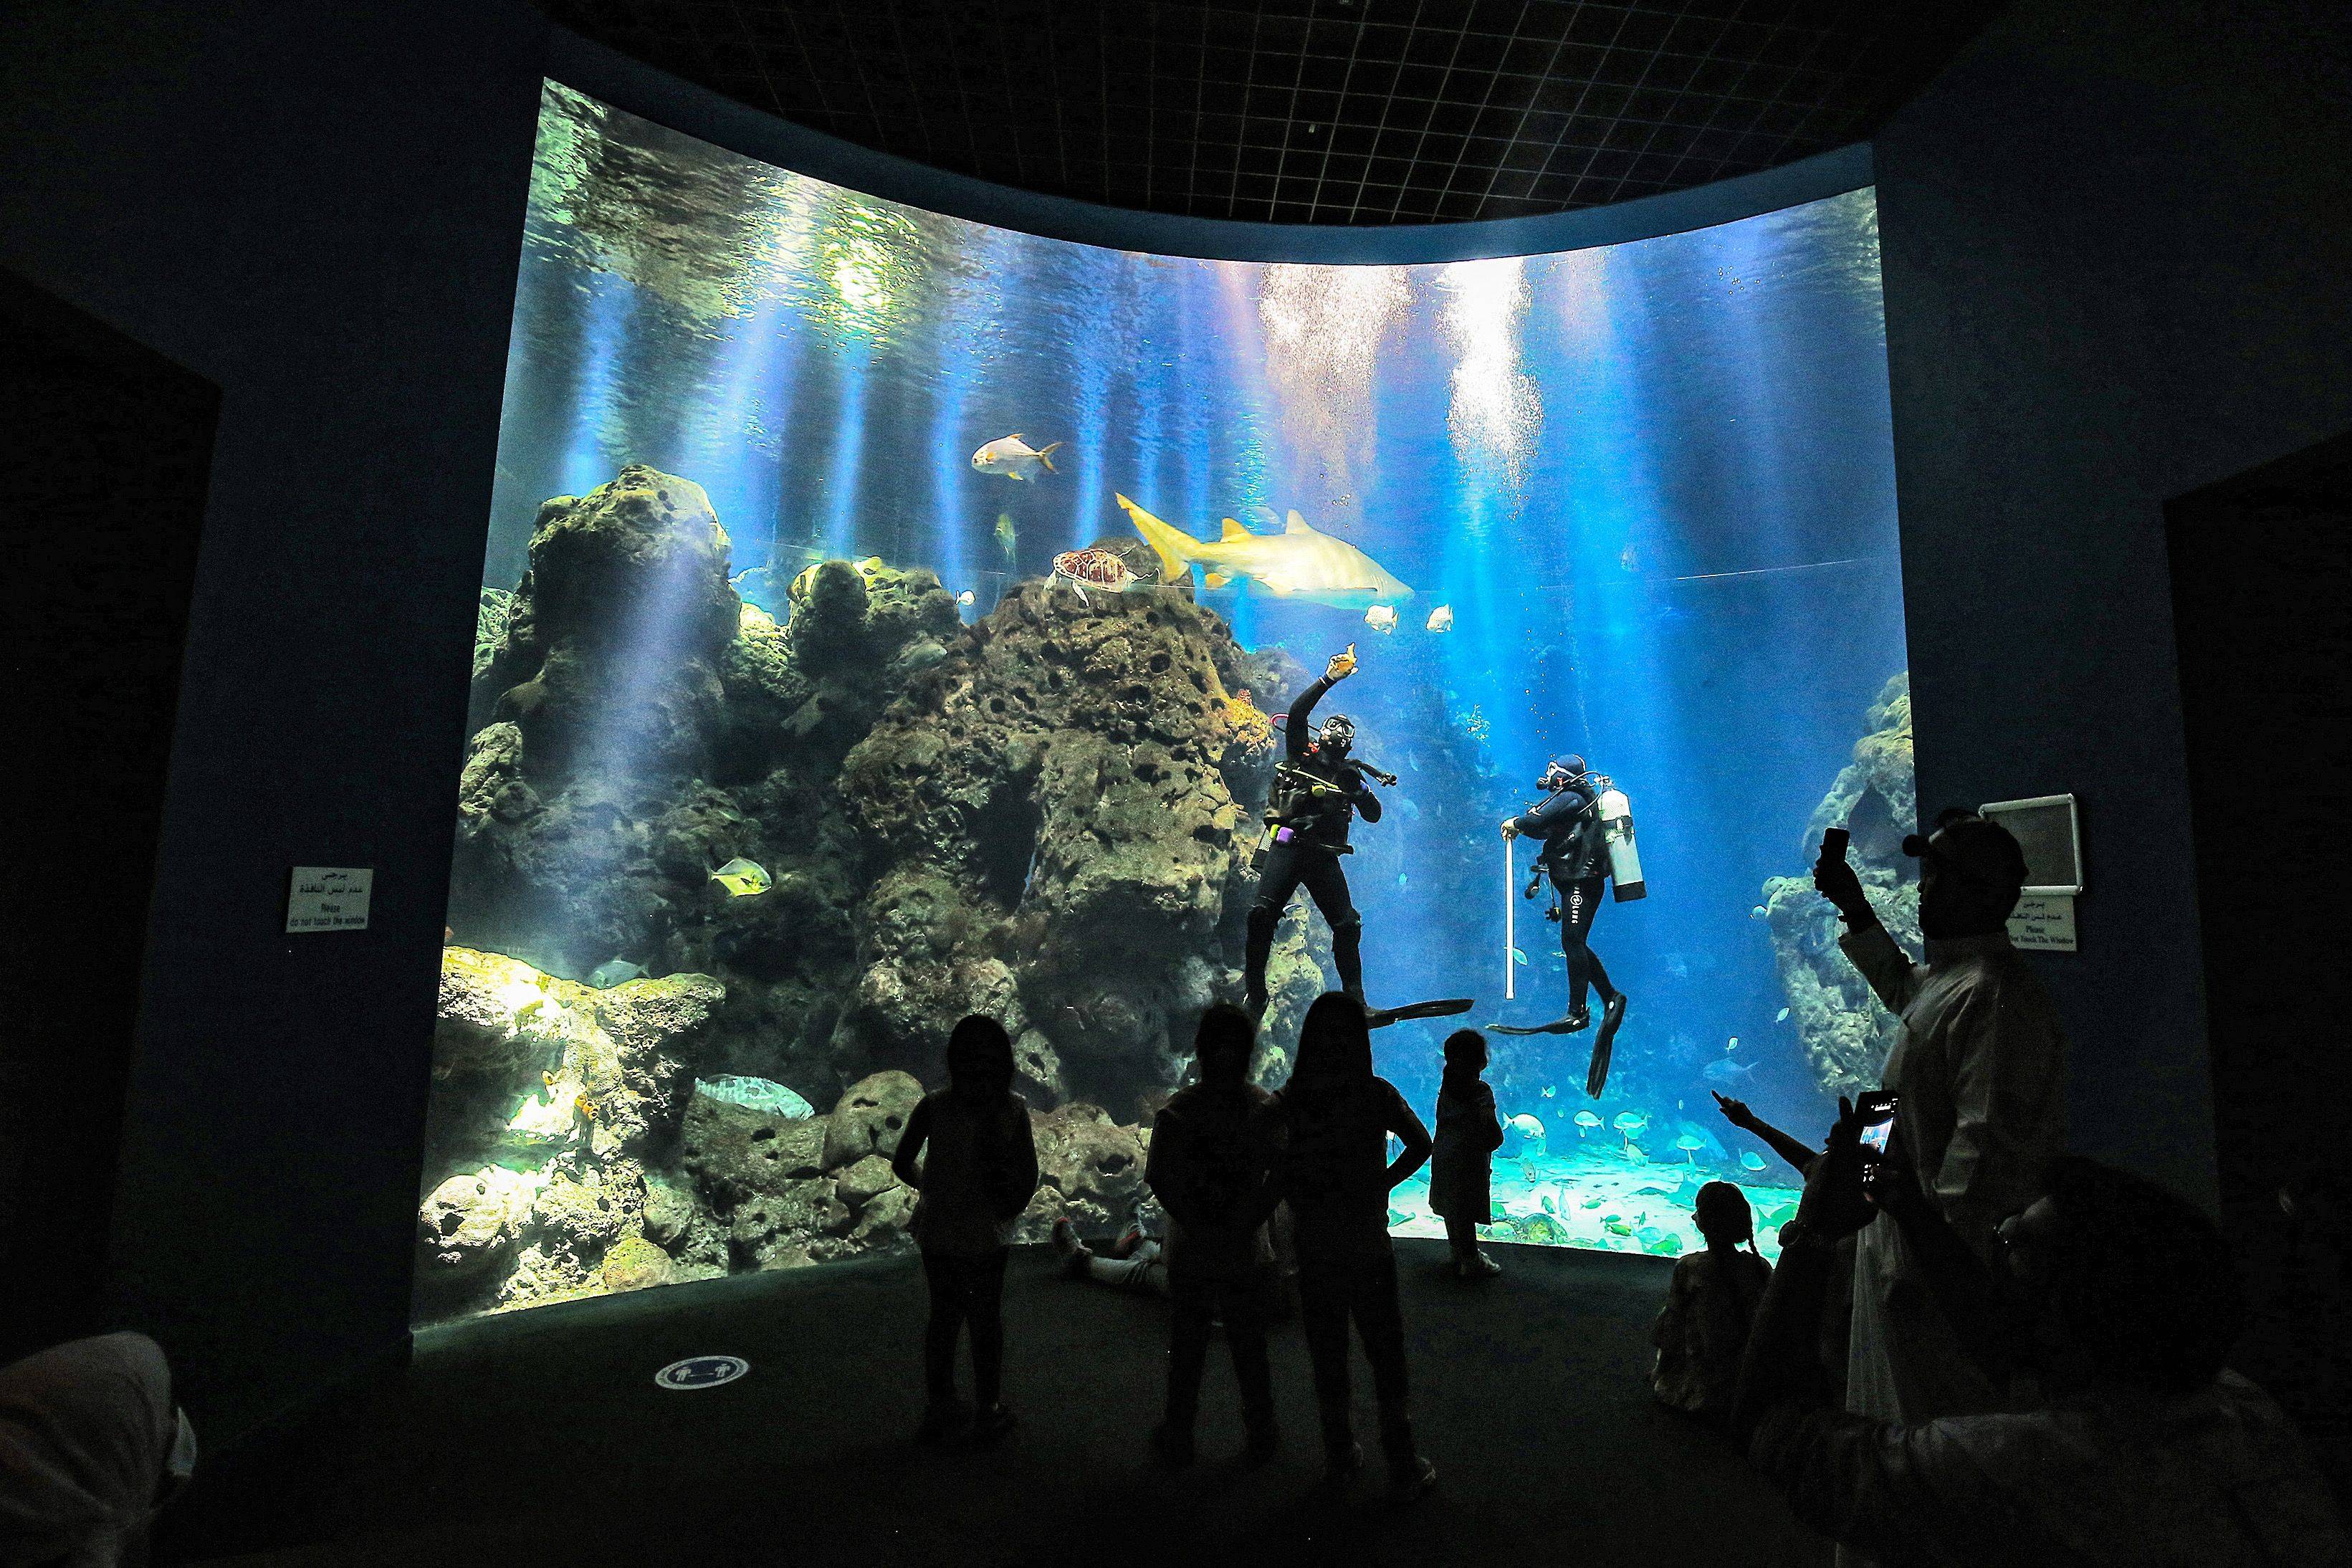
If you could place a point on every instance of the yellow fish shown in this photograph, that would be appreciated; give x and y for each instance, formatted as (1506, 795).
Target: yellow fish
(742, 878)
(581, 1103)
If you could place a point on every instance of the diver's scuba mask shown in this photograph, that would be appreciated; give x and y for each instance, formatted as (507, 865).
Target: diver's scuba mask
(1338, 733)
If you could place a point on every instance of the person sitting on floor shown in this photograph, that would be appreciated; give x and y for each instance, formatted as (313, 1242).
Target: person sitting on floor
(1702, 1330)
(2139, 1447)
(1136, 1261)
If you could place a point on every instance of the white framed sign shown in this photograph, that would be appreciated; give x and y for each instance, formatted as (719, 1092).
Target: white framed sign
(2050, 832)
(2043, 923)
(328, 897)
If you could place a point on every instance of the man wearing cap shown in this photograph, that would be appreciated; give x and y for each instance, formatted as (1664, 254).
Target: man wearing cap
(1980, 1070)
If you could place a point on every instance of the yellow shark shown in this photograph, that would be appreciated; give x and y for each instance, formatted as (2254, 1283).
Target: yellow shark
(1297, 564)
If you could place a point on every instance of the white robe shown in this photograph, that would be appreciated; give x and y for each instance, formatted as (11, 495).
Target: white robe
(1980, 1067)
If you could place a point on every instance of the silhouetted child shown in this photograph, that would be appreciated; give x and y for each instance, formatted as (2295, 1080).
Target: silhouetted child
(1701, 1330)
(1468, 1133)
(979, 1176)
(1211, 1169)
(1335, 1117)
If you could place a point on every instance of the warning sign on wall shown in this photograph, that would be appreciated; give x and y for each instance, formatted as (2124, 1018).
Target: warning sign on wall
(2043, 923)
(328, 897)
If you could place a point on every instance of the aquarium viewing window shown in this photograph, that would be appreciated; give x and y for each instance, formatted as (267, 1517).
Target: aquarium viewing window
(886, 616)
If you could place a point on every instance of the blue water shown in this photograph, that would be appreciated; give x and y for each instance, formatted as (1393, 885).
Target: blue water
(1654, 482)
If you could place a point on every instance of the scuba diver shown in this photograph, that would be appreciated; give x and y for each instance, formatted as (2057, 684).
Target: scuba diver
(1577, 856)
(1318, 790)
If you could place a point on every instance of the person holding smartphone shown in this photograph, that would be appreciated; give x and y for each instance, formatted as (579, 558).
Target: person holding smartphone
(1978, 1073)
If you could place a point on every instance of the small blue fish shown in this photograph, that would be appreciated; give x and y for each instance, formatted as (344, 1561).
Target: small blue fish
(1749, 1160)
(1518, 956)
(1724, 1071)
(1401, 878)
(1782, 1016)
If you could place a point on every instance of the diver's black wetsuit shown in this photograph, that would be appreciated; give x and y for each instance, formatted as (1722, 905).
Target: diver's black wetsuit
(1574, 856)
(1312, 836)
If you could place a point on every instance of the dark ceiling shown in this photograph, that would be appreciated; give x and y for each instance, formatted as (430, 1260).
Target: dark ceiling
(1336, 111)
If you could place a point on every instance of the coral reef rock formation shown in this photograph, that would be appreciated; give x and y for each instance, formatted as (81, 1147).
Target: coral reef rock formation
(1056, 822)
(1846, 1034)
(639, 726)
(1048, 815)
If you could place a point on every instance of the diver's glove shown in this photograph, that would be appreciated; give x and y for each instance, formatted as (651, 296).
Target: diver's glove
(1340, 666)
(1388, 779)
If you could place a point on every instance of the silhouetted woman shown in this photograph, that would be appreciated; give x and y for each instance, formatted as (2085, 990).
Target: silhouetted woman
(1468, 1133)
(979, 1176)
(1335, 1118)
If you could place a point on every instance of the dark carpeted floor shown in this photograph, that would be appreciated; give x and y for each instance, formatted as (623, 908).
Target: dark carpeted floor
(540, 1437)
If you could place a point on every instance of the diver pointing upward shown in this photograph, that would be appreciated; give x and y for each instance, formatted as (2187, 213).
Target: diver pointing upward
(1318, 789)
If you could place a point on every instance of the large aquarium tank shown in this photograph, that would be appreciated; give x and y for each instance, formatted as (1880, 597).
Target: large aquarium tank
(886, 616)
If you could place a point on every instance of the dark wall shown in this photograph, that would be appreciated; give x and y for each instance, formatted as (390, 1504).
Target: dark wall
(2115, 250)
(318, 209)
(113, 447)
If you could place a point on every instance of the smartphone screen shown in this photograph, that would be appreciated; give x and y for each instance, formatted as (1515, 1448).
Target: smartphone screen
(1878, 1123)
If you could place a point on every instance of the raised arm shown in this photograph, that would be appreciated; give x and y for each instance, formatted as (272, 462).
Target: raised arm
(1786, 1145)
(1884, 963)
(1296, 729)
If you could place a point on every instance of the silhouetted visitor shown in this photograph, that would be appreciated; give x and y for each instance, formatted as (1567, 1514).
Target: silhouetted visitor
(91, 1446)
(1335, 1117)
(979, 1175)
(1212, 1169)
(1702, 1330)
(2120, 1302)
(1980, 1069)
(1468, 1133)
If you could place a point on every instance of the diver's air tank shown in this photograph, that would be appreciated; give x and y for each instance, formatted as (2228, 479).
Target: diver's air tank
(1617, 832)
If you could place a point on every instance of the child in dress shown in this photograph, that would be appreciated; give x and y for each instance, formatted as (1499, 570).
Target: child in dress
(1701, 1330)
(1468, 1133)
(980, 1174)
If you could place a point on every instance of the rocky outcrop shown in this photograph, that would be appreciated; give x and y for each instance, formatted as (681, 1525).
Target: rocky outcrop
(638, 725)
(1845, 1033)
(1048, 816)
(1057, 822)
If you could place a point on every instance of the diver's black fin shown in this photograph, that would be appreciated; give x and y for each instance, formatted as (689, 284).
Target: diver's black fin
(1596, 1077)
(1557, 1027)
(1446, 1007)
